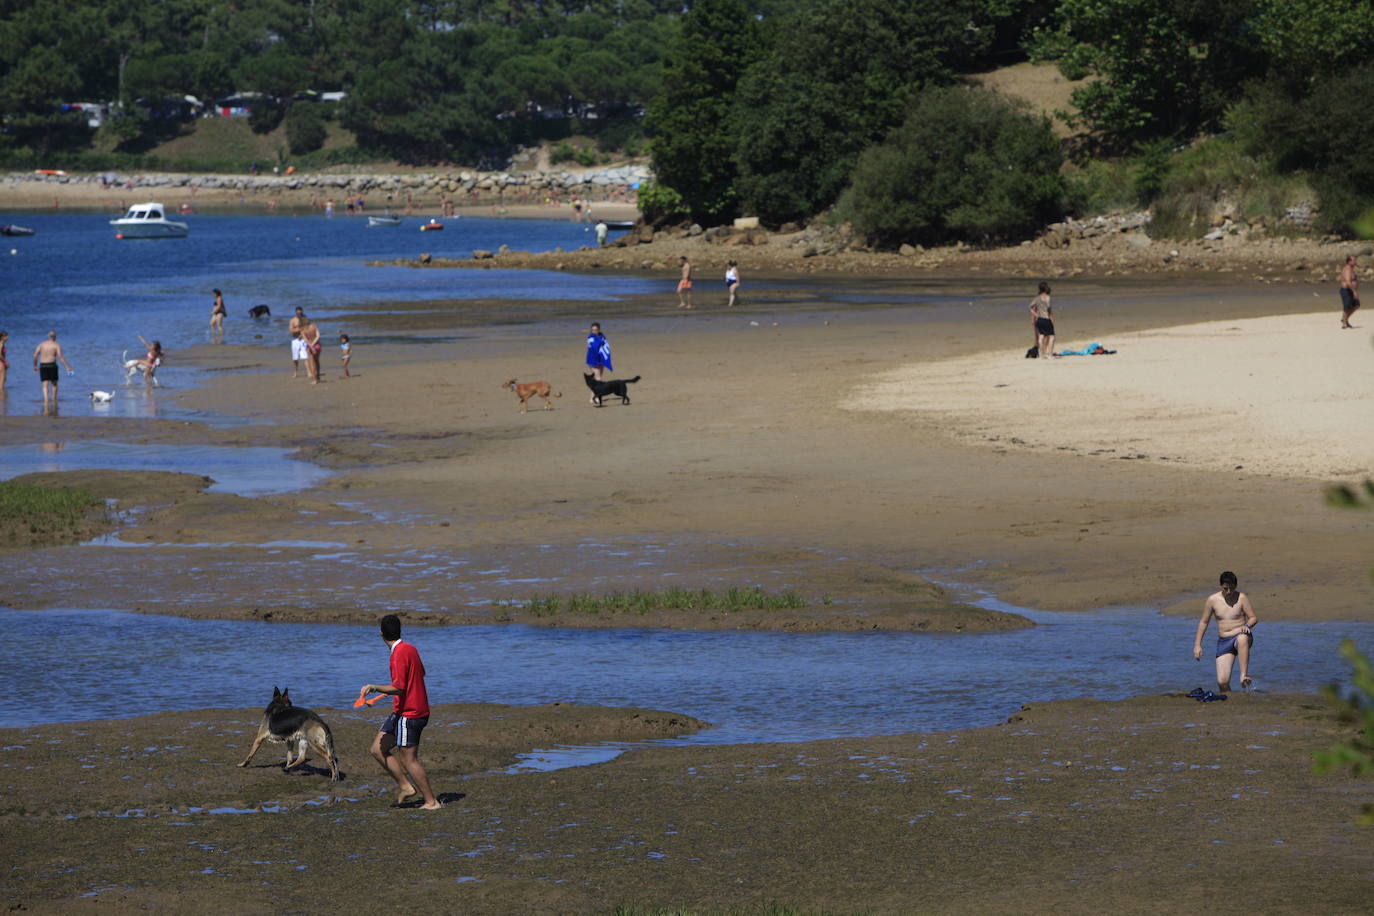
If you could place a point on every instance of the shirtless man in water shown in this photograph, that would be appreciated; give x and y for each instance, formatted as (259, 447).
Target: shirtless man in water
(45, 359)
(1235, 619)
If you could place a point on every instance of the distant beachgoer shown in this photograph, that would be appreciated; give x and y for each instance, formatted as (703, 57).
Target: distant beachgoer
(577, 210)
(4, 363)
(217, 313)
(310, 336)
(46, 356)
(345, 352)
(1235, 622)
(409, 716)
(732, 283)
(1042, 316)
(601, 230)
(598, 354)
(1350, 291)
(297, 345)
(329, 208)
(151, 360)
(684, 283)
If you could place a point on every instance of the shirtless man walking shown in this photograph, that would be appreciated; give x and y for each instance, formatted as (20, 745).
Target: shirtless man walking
(1235, 620)
(45, 359)
(1350, 291)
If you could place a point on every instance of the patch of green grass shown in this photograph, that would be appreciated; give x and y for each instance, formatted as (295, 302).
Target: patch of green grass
(32, 515)
(670, 599)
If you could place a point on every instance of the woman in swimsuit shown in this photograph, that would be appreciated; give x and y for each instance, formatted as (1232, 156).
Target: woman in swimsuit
(732, 283)
(1042, 316)
(217, 313)
(151, 360)
(310, 333)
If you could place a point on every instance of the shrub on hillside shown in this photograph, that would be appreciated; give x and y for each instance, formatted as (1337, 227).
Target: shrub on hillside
(305, 128)
(265, 116)
(966, 164)
(1299, 130)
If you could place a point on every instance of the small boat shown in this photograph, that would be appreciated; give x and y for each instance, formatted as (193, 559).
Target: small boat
(148, 221)
(383, 221)
(432, 226)
(619, 223)
(15, 230)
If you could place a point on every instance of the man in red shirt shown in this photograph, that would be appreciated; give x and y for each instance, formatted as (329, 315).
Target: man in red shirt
(409, 716)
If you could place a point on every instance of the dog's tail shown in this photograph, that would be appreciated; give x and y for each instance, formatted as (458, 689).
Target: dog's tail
(631, 381)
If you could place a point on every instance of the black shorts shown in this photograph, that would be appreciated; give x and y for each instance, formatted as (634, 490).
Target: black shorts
(1044, 327)
(47, 372)
(405, 731)
(1349, 301)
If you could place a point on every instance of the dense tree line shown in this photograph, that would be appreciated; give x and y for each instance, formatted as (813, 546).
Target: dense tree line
(777, 108)
(426, 79)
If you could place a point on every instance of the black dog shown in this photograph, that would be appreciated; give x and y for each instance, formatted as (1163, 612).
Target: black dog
(259, 311)
(614, 388)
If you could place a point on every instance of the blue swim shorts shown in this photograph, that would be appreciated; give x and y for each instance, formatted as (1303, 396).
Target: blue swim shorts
(405, 731)
(1227, 645)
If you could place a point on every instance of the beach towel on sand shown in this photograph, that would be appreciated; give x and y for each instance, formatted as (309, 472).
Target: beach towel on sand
(1092, 349)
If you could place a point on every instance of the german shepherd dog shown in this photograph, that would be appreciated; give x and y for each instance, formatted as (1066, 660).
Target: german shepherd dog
(614, 388)
(296, 727)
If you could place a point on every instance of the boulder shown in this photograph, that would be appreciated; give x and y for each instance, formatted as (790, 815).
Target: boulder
(481, 254)
(747, 222)
(906, 251)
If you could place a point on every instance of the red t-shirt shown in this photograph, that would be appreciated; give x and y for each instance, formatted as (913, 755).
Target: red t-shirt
(408, 674)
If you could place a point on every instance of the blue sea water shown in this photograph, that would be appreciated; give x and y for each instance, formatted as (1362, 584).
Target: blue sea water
(100, 293)
(752, 686)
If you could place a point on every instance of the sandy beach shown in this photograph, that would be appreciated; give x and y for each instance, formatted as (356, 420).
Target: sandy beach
(838, 436)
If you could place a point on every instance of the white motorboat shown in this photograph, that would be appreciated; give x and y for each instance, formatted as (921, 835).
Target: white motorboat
(148, 221)
(383, 221)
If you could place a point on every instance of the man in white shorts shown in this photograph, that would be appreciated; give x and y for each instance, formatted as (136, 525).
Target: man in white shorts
(297, 342)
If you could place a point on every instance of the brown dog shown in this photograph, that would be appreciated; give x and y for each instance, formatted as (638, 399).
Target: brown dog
(525, 391)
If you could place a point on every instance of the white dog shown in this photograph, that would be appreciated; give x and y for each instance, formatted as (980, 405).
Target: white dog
(133, 367)
(102, 397)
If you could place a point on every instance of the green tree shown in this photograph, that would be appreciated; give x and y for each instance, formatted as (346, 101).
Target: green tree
(305, 127)
(1162, 67)
(1310, 39)
(965, 164)
(694, 122)
(838, 81)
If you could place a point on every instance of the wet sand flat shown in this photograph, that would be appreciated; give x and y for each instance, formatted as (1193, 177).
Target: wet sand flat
(741, 462)
(1155, 804)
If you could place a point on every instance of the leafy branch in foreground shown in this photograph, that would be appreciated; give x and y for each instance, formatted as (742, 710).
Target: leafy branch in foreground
(1357, 754)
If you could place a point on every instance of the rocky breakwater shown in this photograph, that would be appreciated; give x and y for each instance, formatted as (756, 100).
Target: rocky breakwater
(597, 183)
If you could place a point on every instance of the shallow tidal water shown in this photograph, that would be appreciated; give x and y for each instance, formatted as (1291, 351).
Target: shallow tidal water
(752, 686)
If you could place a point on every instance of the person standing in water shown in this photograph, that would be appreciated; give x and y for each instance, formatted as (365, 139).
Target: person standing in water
(684, 283)
(4, 362)
(1235, 624)
(1042, 316)
(217, 313)
(732, 283)
(45, 359)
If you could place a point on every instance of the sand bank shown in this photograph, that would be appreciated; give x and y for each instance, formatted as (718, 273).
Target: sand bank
(1156, 804)
(1284, 395)
(741, 463)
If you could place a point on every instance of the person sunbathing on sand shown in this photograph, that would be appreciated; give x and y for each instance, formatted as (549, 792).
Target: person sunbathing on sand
(1235, 622)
